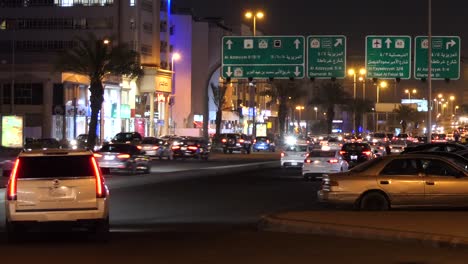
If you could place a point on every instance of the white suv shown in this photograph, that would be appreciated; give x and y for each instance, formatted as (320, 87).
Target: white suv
(57, 186)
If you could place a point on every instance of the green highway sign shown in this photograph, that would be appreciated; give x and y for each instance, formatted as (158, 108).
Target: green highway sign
(263, 57)
(445, 57)
(388, 57)
(326, 56)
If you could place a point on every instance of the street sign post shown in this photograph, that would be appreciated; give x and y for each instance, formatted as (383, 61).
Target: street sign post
(281, 57)
(388, 57)
(445, 57)
(326, 56)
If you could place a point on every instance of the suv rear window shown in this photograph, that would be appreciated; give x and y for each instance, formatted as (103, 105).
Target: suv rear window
(55, 167)
(356, 147)
(118, 148)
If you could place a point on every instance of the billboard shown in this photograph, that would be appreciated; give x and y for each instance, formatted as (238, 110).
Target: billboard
(12, 131)
(421, 104)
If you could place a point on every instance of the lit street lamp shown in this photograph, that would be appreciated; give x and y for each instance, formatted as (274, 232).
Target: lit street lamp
(452, 98)
(259, 15)
(250, 15)
(299, 108)
(382, 84)
(315, 109)
(407, 91)
(352, 72)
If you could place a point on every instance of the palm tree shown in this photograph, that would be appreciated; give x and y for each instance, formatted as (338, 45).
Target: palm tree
(97, 59)
(359, 106)
(330, 94)
(405, 114)
(219, 92)
(284, 92)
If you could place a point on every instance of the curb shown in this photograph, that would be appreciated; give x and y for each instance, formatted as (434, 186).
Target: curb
(277, 224)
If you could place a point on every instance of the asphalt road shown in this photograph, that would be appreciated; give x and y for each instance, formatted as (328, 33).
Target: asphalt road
(212, 219)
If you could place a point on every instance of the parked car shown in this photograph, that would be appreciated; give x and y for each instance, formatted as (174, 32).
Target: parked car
(320, 162)
(56, 186)
(121, 156)
(150, 145)
(293, 155)
(398, 181)
(236, 142)
(263, 143)
(357, 152)
(190, 147)
(134, 138)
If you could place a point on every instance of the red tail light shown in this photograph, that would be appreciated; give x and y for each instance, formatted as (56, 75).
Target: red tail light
(101, 190)
(123, 156)
(97, 155)
(333, 161)
(241, 140)
(155, 147)
(224, 140)
(139, 147)
(268, 141)
(255, 140)
(12, 183)
(175, 147)
(308, 161)
(283, 154)
(368, 152)
(342, 152)
(192, 148)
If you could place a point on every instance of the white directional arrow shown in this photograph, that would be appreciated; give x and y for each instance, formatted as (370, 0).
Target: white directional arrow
(297, 42)
(451, 43)
(338, 42)
(229, 44)
(388, 42)
(229, 72)
(297, 72)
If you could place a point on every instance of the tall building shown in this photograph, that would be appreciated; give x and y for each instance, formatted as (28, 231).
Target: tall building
(56, 104)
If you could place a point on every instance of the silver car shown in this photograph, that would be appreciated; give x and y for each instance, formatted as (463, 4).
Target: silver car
(294, 155)
(121, 156)
(398, 181)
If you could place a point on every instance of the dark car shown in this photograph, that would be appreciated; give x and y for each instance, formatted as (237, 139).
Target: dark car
(236, 142)
(197, 148)
(128, 138)
(263, 143)
(357, 152)
(41, 143)
(121, 156)
(441, 146)
(81, 142)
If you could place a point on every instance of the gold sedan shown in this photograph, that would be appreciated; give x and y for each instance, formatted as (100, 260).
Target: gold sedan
(399, 181)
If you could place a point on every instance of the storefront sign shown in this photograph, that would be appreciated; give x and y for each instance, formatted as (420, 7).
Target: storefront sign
(163, 84)
(12, 131)
(125, 111)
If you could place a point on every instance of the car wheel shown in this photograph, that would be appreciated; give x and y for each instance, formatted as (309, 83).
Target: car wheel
(13, 231)
(374, 201)
(133, 168)
(248, 151)
(230, 151)
(147, 170)
(224, 150)
(101, 230)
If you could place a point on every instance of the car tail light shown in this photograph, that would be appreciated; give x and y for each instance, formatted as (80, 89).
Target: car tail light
(155, 147)
(241, 140)
(97, 155)
(342, 152)
(139, 147)
(308, 161)
(268, 141)
(123, 156)
(101, 190)
(367, 152)
(283, 154)
(11, 195)
(224, 140)
(192, 148)
(175, 147)
(333, 161)
(255, 140)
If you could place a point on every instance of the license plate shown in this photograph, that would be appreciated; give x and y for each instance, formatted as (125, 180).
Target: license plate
(354, 157)
(293, 163)
(183, 148)
(108, 157)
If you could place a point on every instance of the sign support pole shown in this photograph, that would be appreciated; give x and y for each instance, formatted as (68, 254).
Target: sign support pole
(429, 72)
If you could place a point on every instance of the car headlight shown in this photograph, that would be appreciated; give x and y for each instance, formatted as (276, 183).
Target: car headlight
(291, 140)
(73, 142)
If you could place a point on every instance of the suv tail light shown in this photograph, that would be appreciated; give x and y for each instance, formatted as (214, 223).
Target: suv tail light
(342, 152)
(192, 148)
(11, 195)
(283, 154)
(367, 152)
(224, 140)
(139, 147)
(307, 161)
(332, 161)
(123, 156)
(97, 155)
(101, 190)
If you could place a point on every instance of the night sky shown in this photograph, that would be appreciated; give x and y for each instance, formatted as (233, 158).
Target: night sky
(354, 19)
